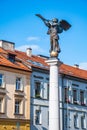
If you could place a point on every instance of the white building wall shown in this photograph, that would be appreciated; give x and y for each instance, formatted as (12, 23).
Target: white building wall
(39, 103)
(71, 109)
(67, 110)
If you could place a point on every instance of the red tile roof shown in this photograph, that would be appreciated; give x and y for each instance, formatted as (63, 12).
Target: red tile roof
(33, 61)
(5, 62)
(23, 62)
(73, 71)
(64, 69)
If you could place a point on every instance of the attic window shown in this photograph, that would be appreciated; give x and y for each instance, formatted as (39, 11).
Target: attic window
(11, 57)
(37, 63)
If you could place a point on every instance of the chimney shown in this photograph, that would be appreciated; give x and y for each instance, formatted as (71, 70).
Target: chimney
(7, 45)
(29, 52)
(76, 65)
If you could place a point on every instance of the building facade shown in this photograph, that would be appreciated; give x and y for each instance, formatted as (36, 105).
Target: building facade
(14, 91)
(39, 100)
(73, 98)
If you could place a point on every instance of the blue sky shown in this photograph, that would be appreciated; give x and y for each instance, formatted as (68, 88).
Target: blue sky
(19, 24)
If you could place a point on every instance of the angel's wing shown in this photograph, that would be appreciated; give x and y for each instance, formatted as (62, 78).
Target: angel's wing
(65, 25)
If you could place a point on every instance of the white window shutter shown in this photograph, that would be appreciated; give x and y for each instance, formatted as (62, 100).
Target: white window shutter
(41, 90)
(85, 97)
(70, 94)
(21, 106)
(40, 117)
(78, 96)
(22, 84)
(77, 122)
(45, 90)
(2, 105)
(84, 122)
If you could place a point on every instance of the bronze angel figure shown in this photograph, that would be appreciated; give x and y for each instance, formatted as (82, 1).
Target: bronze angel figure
(54, 28)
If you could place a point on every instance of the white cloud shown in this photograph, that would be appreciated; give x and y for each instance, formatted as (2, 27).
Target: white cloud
(32, 38)
(83, 65)
(35, 48)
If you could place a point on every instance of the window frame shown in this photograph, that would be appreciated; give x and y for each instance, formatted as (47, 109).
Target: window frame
(41, 89)
(37, 91)
(75, 99)
(76, 121)
(18, 108)
(11, 57)
(82, 100)
(67, 95)
(38, 117)
(83, 122)
(19, 84)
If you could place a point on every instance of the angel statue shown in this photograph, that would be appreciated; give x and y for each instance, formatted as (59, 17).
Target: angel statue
(54, 28)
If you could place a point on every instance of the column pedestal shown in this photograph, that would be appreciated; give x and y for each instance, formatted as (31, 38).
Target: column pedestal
(53, 94)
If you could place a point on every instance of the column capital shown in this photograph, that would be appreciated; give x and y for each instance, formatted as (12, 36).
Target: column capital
(54, 61)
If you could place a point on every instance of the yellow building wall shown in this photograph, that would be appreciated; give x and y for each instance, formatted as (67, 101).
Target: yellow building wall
(6, 124)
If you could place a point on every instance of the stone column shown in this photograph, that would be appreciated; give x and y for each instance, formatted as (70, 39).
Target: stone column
(53, 94)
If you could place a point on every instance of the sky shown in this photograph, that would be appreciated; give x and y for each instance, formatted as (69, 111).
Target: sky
(19, 24)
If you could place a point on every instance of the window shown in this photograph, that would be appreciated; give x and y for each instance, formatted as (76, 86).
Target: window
(75, 96)
(19, 85)
(17, 107)
(83, 122)
(76, 121)
(38, 117)
(66, 94)
(82, 97)
(1, 80)
(37, 89)
(11, 57)
(67, 119)
(42, 90)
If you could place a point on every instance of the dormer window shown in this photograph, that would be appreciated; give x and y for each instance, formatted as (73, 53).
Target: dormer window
(11, 57)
